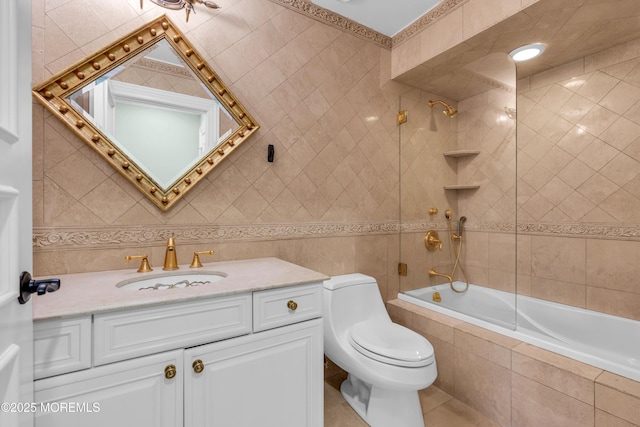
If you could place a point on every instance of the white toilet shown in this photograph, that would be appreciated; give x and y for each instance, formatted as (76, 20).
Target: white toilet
(387, 363)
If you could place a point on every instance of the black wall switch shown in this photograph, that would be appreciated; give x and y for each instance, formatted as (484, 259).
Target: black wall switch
(270, 153)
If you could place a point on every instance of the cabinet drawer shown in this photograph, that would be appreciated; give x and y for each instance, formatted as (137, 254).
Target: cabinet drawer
(271, 308)
(127, 334)
(61, 346)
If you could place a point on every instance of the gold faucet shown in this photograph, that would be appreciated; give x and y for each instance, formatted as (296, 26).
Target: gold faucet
(170, 258)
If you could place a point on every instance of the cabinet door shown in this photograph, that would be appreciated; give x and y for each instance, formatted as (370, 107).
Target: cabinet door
(269, 379)
(131, 393)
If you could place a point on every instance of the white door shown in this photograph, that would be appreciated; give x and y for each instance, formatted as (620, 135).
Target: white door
(16, 335)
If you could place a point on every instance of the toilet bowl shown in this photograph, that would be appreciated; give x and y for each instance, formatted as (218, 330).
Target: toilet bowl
(386, 362)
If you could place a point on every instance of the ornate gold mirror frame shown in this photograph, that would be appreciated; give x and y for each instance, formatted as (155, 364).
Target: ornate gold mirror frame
(56, 94)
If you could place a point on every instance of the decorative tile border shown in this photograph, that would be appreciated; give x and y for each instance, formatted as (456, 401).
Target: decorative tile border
(338, 21)
(45, 239)
(434, 14)
(596, 230)
(163, 67)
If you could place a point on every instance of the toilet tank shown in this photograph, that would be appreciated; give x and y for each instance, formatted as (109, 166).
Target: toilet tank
(352, 298)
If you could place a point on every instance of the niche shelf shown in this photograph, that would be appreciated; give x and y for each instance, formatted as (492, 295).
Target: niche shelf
(461, 153)
(457, 187)
(457, 154)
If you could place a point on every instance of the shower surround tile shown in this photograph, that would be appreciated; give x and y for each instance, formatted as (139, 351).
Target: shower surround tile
(619, 397)
(565, 375)
(535, 404)
(538, 388)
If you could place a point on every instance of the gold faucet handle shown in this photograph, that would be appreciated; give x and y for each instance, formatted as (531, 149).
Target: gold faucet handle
(196, 258)
(144, 265)
(432, 241)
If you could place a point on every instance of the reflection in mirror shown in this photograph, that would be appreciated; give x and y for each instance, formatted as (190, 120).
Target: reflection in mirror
(152, 108)
(157, 111)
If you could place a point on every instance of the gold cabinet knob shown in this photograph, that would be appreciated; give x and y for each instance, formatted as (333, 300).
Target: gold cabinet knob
(170, 371)
(198, 366)
(292, 305)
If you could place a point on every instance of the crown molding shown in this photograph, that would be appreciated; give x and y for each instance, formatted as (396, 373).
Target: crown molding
(337, 21)
(441, 10)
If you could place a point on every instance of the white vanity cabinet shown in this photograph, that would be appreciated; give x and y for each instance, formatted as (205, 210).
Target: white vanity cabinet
(272, 378)
(253, 359)
(129, 393)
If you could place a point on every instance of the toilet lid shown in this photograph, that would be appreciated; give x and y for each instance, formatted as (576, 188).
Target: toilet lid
(391, 343)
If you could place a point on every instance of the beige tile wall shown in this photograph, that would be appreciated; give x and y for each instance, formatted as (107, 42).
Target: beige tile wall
(322, 97)
(481, 124)
(578, 171)
(578, 181)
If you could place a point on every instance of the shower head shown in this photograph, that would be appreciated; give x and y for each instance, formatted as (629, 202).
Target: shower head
(449, 110)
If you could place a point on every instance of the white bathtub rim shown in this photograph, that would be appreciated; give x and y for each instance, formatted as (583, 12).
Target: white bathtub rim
(598, 362)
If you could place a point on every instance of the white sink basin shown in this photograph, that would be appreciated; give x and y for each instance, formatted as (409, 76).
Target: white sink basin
(159, 282)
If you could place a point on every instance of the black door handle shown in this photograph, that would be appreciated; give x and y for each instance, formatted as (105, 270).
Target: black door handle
(29, 286)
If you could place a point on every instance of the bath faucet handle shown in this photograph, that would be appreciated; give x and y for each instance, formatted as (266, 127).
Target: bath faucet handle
(144, 265)
(432, 241)
(196, 258)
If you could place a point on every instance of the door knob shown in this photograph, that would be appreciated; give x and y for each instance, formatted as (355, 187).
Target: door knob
(29, 286)
(198, 366)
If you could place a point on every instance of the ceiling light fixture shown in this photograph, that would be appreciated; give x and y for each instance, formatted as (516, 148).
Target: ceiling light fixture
(188, 5)
(527, 52)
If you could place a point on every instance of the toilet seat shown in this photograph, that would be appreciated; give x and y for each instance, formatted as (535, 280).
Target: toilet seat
(391, 343)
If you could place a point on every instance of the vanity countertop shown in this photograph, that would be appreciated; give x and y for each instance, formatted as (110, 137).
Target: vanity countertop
(96, 292)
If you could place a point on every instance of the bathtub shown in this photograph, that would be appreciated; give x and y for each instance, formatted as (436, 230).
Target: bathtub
(607, 342)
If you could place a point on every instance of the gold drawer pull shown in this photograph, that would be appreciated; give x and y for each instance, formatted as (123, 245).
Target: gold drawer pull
(170, 371)
(198, 366)
(292, 305)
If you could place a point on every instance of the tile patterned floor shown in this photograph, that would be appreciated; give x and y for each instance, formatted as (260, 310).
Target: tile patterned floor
(440, 409)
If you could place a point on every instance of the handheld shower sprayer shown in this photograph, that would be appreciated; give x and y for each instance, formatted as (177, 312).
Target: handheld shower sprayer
(456, 246)
(461, 225)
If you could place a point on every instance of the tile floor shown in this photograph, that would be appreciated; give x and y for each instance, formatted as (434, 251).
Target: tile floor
(440, 409)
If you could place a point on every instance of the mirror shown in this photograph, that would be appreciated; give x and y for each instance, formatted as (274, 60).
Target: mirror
(152, 108)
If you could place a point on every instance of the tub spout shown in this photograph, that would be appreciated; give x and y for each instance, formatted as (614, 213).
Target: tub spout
(433, 273)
